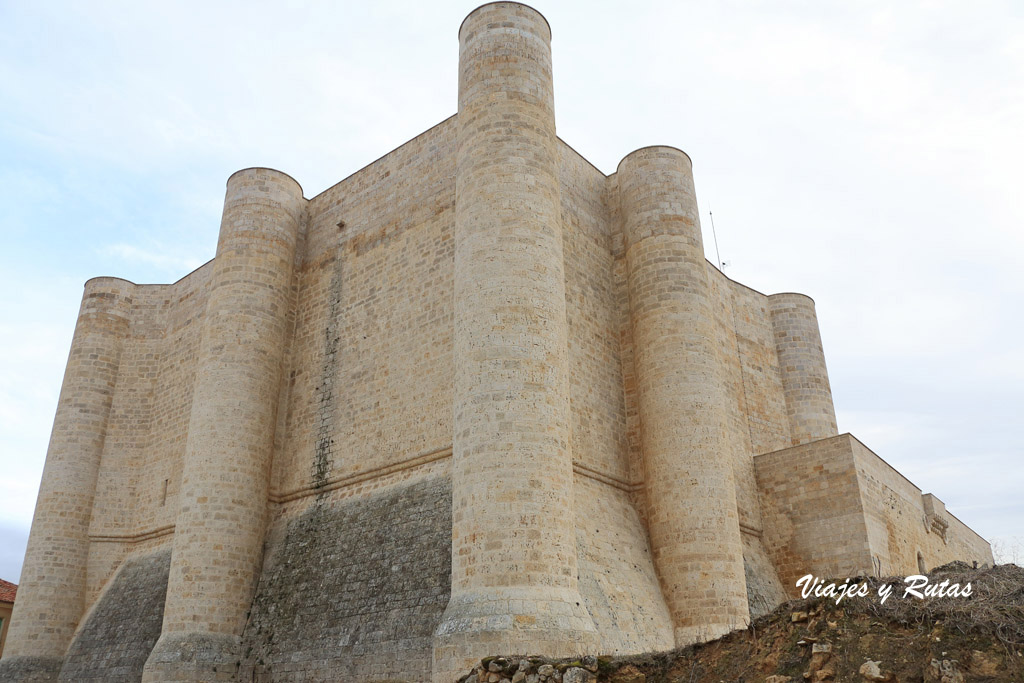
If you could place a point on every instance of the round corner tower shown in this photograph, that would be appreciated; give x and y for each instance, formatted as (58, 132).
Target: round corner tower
(218, 537)
(693, 518)
(514, 565)
(812, 415)
(51, 595)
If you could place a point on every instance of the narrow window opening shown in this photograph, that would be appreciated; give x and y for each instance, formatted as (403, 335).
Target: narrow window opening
(163, 496)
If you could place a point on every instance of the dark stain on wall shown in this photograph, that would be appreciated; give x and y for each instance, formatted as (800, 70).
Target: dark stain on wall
(325, 398)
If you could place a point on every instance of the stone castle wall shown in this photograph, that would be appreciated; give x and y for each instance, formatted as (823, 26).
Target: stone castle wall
(906, 528)
(136, 503)
(812, 510)
(834, 508)
(119, 631)
(476, 397)
(353, 589)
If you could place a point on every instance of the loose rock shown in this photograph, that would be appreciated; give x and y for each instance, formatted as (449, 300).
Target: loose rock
(872, 671)
(944, 671)
(578, 675)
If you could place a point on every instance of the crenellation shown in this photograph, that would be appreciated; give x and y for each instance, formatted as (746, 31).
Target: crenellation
(477, 398)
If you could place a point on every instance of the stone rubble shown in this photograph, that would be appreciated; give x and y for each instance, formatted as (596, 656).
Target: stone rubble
(542, 670)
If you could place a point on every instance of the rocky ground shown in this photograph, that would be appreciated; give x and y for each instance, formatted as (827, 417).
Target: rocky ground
(932, 640)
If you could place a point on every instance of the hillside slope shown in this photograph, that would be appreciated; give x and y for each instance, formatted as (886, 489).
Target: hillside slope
(948, 639)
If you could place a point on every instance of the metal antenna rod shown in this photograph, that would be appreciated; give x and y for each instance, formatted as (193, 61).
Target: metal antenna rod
(721, 266)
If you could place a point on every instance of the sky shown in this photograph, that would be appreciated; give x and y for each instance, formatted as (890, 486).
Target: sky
(867, 154)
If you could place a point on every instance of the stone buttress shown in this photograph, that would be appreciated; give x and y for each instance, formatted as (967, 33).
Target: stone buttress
(692, 513)
(514, 564)
(218, 540)
(51, 595)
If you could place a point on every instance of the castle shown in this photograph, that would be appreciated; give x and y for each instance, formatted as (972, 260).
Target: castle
(477, 398)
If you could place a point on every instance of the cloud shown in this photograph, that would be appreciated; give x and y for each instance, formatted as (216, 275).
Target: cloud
(159, 257)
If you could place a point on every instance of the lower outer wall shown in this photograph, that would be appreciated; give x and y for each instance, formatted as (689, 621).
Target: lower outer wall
(120, 631)
(354, 590)
(765, 591)
(617, 578)
(27, 669)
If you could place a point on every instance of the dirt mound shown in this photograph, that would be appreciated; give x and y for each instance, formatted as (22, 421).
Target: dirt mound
(945, 636)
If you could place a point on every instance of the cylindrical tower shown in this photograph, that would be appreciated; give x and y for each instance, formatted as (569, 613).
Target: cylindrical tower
(51, 595)
(514, 570)
(218, 538)
(802, 365)
(693, 520)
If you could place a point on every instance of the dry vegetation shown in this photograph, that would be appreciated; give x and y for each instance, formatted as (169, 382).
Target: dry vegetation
(931, 640)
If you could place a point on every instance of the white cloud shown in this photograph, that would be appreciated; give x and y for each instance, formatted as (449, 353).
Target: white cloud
(159, 257)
